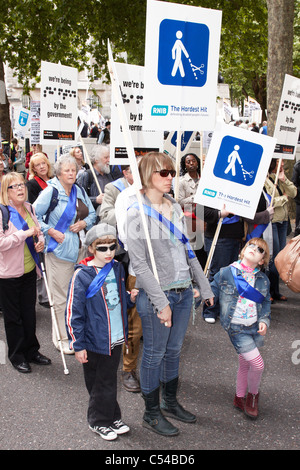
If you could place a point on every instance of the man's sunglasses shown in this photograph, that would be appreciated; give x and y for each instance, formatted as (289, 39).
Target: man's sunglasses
(105, 248)
(164, 173)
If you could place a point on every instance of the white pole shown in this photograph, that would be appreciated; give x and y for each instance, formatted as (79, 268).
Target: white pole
(178, 154)
(130, 152)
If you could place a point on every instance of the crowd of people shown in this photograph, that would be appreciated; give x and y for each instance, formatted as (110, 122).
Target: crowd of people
(124, 266)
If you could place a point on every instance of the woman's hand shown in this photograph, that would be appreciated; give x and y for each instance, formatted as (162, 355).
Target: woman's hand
(165, 316)
(56, 234)
(33, 232)
(78, 226)
(133, 295)
(39, 247)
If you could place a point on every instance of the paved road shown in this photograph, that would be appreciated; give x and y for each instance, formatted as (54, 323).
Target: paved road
(46, 410)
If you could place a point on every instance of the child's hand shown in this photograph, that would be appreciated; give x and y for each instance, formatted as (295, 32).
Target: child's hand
(262, 329)
(133, 294)
(196, 293)
(81, 356)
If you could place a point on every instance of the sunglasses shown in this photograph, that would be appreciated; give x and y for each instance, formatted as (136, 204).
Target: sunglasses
(257, 248)
(105, 248)
(164, 173)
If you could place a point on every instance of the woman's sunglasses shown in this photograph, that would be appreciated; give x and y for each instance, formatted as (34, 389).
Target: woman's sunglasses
(257, 248)
(164, 173)
(105, 248)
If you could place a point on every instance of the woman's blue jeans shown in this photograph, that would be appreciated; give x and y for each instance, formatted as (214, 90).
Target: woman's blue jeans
(161, 344)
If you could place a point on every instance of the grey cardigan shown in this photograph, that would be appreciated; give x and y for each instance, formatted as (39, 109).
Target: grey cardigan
(165, 263)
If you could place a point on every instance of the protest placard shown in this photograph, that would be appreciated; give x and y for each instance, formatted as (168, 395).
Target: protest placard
(235, 170)
(181, 66)
(58, 103)
(287, 126)
(131, 79)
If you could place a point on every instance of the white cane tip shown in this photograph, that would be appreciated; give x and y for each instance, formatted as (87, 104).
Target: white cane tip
(66, 372)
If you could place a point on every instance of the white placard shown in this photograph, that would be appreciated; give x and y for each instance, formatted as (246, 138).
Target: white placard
(131, 79)
(35, 109)
(235, 170)
(181, 66)
(22, 123)
(288, 119)
(58, 103)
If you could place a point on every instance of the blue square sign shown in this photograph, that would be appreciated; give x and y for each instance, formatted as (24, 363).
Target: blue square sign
(183, 53)
(238, 160)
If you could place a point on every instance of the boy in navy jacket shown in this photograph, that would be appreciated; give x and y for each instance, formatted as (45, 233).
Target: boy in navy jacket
(96, 321)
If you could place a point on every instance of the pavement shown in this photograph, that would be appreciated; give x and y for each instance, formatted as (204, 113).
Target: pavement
(46, 409)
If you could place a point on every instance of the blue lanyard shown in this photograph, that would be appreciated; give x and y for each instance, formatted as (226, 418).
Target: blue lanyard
(167, 223)
(65, 218)
(245, 289)
(21, 224)
(98, 281)
(259, 229)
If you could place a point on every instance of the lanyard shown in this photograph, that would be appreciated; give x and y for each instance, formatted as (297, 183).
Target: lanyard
(245, 289)
(167, 223)
(98, 281)
(21, 224)
(65, 218)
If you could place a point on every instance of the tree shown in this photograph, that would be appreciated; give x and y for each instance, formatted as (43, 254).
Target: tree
(32, 31)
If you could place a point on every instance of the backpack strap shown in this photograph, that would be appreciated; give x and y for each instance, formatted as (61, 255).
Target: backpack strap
(53, 204)
(5, 216)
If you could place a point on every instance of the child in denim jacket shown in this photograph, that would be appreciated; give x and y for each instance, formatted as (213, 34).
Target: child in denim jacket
(244, 296)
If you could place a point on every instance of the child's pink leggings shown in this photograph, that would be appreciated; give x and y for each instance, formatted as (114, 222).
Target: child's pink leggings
(251, 366)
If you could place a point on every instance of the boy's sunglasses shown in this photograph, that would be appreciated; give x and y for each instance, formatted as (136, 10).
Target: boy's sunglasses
(164, 173)
(105, 248)
(257, 248)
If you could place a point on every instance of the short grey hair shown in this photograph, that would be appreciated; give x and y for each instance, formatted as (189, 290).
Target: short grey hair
(63, 160)
(97, 152)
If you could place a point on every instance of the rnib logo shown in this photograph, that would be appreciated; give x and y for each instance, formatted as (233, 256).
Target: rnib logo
(183, 53)
(238, 160)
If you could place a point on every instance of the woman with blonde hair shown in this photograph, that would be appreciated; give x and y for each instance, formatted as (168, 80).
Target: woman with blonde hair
(164, 304)
(20, 241)
(40, 172)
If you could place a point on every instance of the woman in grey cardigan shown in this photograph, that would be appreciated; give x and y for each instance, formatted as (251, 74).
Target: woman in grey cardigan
(164, 304)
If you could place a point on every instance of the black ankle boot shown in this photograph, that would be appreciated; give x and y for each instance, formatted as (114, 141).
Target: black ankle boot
(170, 406)
(153, 419)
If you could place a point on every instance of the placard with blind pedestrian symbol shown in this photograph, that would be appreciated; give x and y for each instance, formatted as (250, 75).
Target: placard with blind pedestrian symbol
(238, 160)
(183, 53)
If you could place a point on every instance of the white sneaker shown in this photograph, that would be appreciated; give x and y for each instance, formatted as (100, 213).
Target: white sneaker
(106, 433)
(210, 320)
(119, 427)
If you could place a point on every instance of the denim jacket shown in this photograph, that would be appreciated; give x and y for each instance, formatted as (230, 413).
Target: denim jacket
(224, 289)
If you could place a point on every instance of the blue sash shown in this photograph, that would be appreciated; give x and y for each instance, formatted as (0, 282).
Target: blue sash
(119, 184)
(258, 229)
(230, 220)
(98, 281)
(21, 224)
(245, 289)
(65, 218)
(167, 223)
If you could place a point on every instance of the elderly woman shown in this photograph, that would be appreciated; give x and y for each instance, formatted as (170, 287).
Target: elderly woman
(20, 241)
(39, 173)
(164, 305)
(65, 213)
